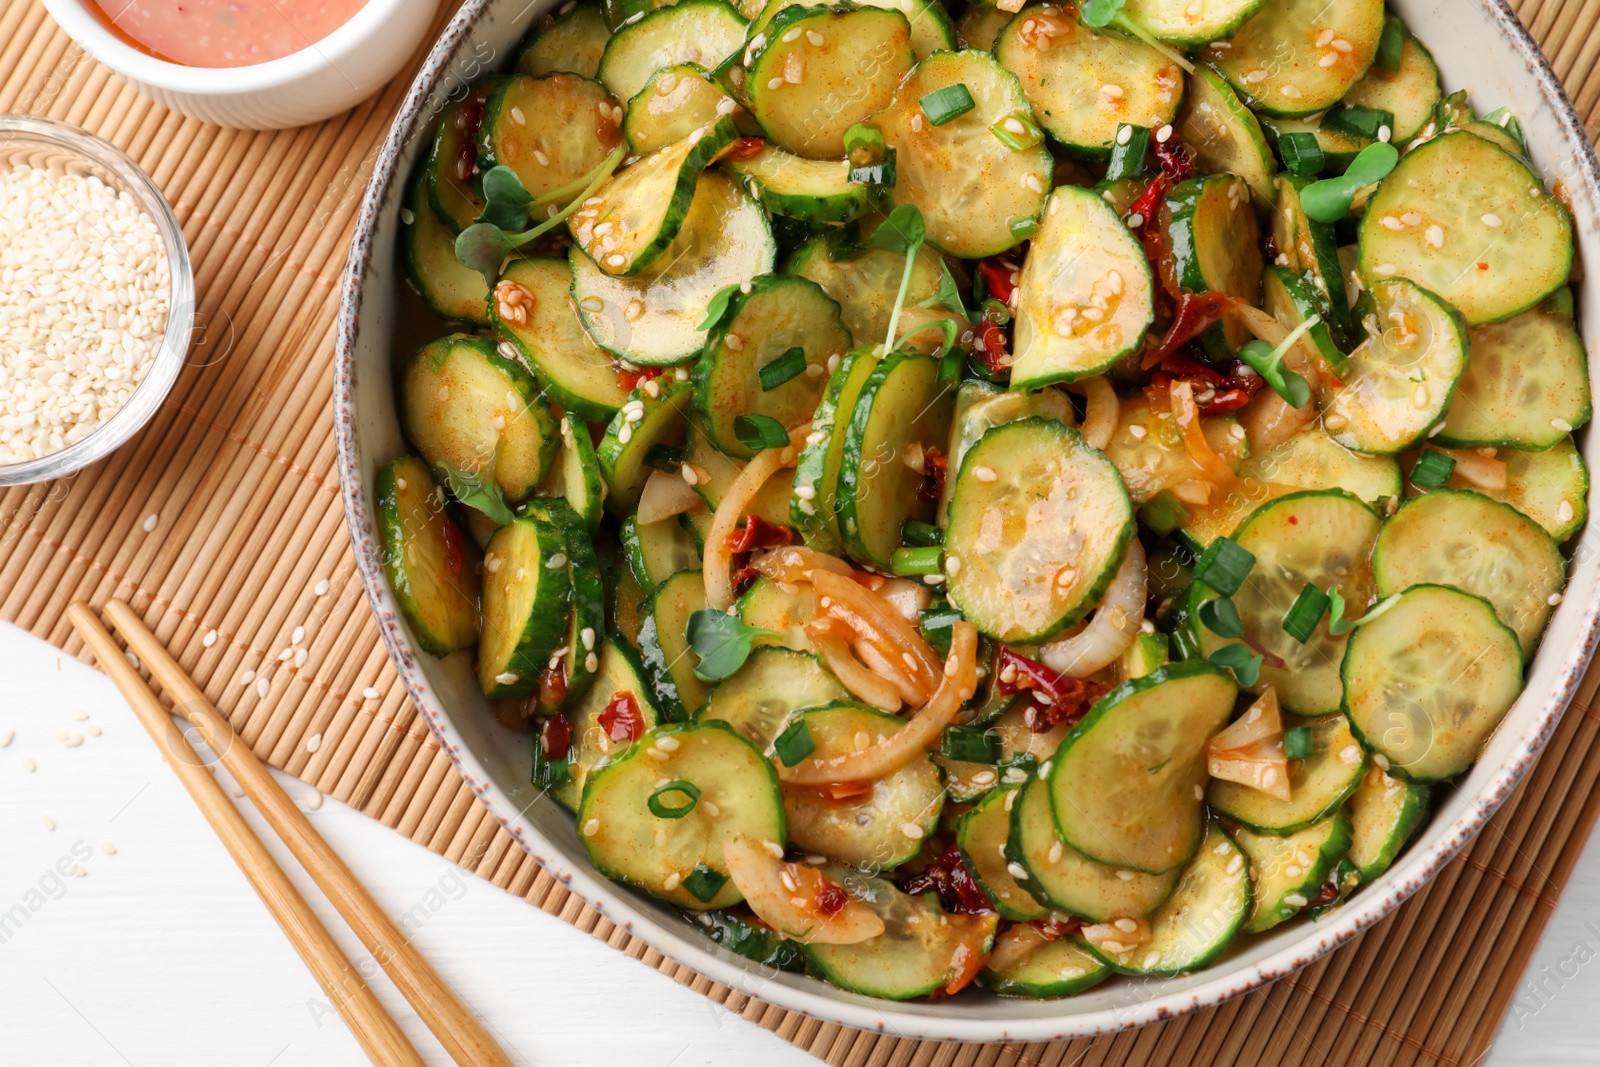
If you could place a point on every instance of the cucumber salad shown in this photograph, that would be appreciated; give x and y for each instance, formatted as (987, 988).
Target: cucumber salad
(1002, 495)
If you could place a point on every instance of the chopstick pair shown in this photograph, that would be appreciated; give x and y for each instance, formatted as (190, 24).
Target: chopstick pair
(462, 1035)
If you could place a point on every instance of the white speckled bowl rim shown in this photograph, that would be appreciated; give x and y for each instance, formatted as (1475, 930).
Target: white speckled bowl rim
(1119, 1004)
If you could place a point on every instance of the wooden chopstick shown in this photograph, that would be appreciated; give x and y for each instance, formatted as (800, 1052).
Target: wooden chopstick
(378, 1034)
(462, 1035)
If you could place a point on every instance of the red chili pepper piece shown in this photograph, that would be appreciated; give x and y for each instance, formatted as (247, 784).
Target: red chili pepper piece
(471, 120)
(831, 899)
(1149, 201)
(997, 275)
(1070, 698)
(958, 891)
(555, 736)
(1196, 313)
(1176, 165)
(935, 468)
(630, 380)
(993, 351)
(553, 684)
(621, 719)
(758, 533)
(455, 546)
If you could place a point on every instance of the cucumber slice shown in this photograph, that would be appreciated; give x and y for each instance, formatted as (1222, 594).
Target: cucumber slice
(1069, 881)
(543, 329)
(1287, 872)
(1223, 135)
(1128, 782)
(903, 408)
(572, 41)
(921, 950)
(980, 407)
(974, 192)
(865, 281)
(634, 217)
(760, 700)
(1148, 451)
(656, 420)
(581, 661)
(457, 292)
(654, 317)
(979, 27)
(780, 313)
(1084, 84)
(1290, 300)
(1285, 60)
(982, 834)
(451, 176)
(526, 606)
(1339, 147)
(1398, 382)
(431, 565)
(818, 191)
(752, 939)
(656, 551)
(1550, 487)
(1478, 545)
(931, 30)
(1183, 22)
(1308, 460)
(1428, 681)
(813, 508)
(626, 606)
(668, 660)
(1503, 242)
(768, 605)
(715, 472)
(1409, 93)
(1526, 384)
(675, 102)
(1319, 784)
(1039, 523)
(702, 32)
(624, 837)
(806, 94)
(1384, 813)
(1085, 296)
(1060, 968)
(1201, 917)
(469, 409)
(576, 476)
(592, 746)
(1216, 246)
(873, 833)
(1310, 250)
(1320, 538)
(567, 128)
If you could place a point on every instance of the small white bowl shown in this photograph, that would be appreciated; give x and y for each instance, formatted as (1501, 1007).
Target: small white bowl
(330, 76)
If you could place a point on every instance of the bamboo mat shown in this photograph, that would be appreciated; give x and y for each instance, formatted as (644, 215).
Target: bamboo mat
(224, 515)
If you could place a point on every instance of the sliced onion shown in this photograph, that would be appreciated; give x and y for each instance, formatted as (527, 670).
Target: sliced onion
(1102, 413)
(1187, 414)
(1192, 491)
(1117, 937)
(1115, 624)
(1269, 420)
(1485, 472)
(905, 596)
(958, 681)
(1016, 945)
(665, 496)
(1250, 751)
(864, 683)
(718, 561)
(785, 896)
(794, 563)
(876, 621)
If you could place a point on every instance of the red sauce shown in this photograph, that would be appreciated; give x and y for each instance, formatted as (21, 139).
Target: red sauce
(556, 737)
(621, 719)
(831, 899)
(223, 33)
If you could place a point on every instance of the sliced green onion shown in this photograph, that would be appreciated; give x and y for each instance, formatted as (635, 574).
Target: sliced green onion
(785, 368)
(1433, 469)
(936, 624)
(703, 883)
(1302, 154)
(997, 312)
(1221, 617)
(1297, 742)
(879, 173)
(1128, 152)
(662, 808)
(1353, 120)
(664, 458)
(948, 103)
(1305, 613)
(1024, 227)
(718, 307)
(795, 743)
(1163, 513)
(758, 432)
(1017, 131)
(969, 744)
(919, 534)
(914, 562)
(1224, 566)
(1391, 46)
(864, 144)
(1245, 664)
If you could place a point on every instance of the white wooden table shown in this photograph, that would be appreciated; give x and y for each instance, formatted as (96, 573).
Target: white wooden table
(160, 954)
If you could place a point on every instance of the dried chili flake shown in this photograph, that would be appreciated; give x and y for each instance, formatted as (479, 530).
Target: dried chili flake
(958, 890)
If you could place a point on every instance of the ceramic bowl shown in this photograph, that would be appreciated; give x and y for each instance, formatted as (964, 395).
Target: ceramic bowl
(1479, 45)
(330, 76)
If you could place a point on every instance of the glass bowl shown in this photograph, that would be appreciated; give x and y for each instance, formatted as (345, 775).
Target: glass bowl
(59, 148)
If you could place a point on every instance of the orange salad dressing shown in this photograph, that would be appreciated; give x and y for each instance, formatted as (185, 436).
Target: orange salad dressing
(222, 33)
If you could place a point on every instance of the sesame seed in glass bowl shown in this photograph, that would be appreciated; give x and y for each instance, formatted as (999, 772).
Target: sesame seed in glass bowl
(96, 299)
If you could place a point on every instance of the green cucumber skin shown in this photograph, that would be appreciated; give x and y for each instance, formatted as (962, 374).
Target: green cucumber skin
(1053, 990)
(587, 407)
(466, 309)
(588, 600)
(391, 529)
(658, 668)
(445, 143)
(622, 461)
(993, 796)
(1327, 858)
(544, 630)
(811, 468)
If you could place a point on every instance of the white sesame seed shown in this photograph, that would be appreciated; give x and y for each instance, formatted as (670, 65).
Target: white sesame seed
(1553, 599)
(1561, 424)
(911, 830)
(1295, 900)
(209, 639)
(28, 765)
(313, 742)
(591, 827)
(370, 693)
(108, 848)
(263, 686)
(984, 474)
(1163, 134)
